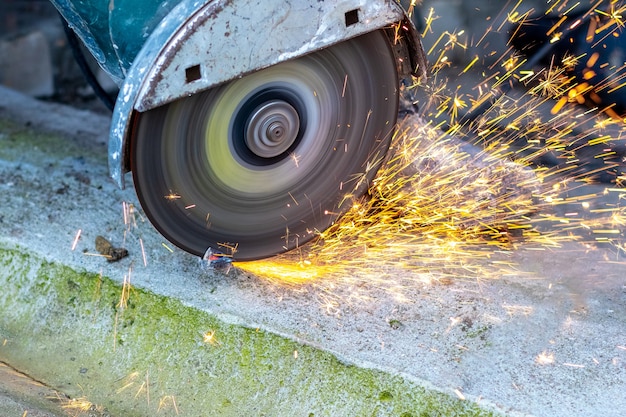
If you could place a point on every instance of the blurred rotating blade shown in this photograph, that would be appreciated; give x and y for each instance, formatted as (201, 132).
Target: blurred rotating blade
(263, 163)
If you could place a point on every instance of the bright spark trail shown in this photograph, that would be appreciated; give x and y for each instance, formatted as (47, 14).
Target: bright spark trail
(442, 209)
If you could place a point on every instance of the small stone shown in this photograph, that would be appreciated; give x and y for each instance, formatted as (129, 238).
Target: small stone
(105, 248)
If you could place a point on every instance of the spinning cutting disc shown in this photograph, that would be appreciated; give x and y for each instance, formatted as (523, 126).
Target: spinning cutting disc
(264, 162)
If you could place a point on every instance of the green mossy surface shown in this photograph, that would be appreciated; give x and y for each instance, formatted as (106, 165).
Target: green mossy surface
(20, 144)
(69, 329)
(17, 141)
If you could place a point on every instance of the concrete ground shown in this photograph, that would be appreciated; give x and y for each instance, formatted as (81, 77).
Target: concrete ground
(159, 333)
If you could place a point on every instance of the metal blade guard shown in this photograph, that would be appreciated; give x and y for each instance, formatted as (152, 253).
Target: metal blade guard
(163, 53)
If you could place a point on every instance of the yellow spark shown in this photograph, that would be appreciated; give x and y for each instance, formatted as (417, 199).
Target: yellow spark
(164, 403)
(172, 196)
(545, 358)
(228, 248)
(512, 16)
(551, 8)
(451, 42)
(558, 106)
(130, 381)
(553, 82)
(436, 213)
(471, 64)
(526, 75)
(125, 295)
(125, 387)
(569, 62)
(147, 389)
(209, 338)
(615, 18)
(297, 273)
(457, 103)
(556, 25)
(511, 65)
(78, 404)
(429, 20)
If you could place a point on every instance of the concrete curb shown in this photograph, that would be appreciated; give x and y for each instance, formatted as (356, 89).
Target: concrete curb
(156, 333)
(157, 354)
(128, 349)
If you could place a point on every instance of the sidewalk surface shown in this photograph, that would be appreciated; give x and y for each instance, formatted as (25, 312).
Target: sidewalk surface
(158, 332)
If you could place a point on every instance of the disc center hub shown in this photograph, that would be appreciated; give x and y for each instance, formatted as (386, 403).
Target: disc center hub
(272, 128)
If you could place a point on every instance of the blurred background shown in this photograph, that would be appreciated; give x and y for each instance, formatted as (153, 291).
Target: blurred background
(479, 52)
(35, 57)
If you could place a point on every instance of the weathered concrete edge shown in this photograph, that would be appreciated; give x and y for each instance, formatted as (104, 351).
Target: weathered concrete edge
(72, 332)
